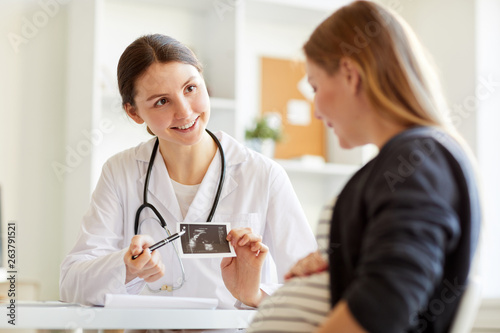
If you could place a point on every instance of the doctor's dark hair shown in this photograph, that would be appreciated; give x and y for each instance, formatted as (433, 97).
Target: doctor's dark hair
(142, 53)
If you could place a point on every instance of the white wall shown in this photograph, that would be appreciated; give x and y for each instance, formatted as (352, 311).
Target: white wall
(124, 21)
(488, 137)
(82, 104)
(31, 131)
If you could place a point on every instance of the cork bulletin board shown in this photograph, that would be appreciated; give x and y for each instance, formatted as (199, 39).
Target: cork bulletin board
(303, 134)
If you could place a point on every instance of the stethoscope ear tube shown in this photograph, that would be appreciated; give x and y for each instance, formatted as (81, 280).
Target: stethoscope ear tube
(153, 208)
(148, 174)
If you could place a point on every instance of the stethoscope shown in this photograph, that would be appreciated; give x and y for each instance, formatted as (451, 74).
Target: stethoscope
(146, 204)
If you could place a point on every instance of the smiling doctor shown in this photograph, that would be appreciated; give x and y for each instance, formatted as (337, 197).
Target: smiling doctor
(196, 176)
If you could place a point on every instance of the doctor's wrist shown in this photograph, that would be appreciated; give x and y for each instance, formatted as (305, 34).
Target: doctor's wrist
(254, 300)
(129, 276)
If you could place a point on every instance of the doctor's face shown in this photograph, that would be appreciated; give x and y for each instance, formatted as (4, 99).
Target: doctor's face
(172, 99)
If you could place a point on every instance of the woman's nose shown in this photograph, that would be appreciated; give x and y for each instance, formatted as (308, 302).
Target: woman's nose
(317, 113)
(183, 109)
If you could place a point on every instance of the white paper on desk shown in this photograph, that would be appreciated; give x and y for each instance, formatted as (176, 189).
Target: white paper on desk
(158, 302)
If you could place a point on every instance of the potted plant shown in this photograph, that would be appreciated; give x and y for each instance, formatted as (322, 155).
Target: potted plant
(263, 136)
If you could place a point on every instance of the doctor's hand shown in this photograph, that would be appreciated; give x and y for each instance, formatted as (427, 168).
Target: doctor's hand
(148, 265)
(312, 264)
(241, 274)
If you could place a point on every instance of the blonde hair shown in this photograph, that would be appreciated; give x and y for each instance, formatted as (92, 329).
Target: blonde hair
(395, 71)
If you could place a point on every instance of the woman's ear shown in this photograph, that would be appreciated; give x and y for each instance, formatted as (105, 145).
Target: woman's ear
(351, 74)
(132, 113)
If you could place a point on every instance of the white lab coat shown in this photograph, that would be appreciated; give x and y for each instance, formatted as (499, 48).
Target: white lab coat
(256, 193)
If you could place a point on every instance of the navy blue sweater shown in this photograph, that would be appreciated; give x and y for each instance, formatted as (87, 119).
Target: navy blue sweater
(403, 234)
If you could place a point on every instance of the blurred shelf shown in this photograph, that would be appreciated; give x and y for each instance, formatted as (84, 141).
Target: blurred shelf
(292, 12)
(487, 319)
(330, 169)
(194, 5)
(318, 5)
(217, 103)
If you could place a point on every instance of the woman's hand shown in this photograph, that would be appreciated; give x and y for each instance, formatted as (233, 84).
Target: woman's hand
(241, 274)
(148, 265)
(312, 264)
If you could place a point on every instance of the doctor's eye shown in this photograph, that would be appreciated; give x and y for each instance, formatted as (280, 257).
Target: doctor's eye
(161, 102)
(190, 88)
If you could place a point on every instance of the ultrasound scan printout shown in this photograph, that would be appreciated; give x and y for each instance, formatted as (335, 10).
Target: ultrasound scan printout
(205, 240)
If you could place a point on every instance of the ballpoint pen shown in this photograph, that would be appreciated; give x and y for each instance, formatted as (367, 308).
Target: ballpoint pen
(162, 242)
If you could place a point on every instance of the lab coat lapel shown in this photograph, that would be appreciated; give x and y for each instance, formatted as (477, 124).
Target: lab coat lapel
(160, 186)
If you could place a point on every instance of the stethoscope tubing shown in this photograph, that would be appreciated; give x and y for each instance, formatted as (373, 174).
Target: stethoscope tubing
(146, 204)
(222, 176)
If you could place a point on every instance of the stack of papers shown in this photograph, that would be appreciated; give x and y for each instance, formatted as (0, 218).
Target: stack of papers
(158, 302)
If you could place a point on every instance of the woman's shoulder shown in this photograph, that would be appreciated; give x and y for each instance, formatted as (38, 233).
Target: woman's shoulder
(421, 157)
(424, 140)
(423, 147)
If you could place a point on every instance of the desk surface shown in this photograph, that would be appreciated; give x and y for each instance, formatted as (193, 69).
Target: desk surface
(45, 316)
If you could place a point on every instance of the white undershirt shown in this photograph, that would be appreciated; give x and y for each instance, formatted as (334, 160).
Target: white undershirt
(185, 195)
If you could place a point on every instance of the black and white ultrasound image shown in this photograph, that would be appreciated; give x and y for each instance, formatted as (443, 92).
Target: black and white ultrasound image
(204, 238)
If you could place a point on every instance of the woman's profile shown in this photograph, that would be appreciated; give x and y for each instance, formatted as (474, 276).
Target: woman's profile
(404, 229)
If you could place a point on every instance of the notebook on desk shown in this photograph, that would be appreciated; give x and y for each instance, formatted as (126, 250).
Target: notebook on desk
(158, 302)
